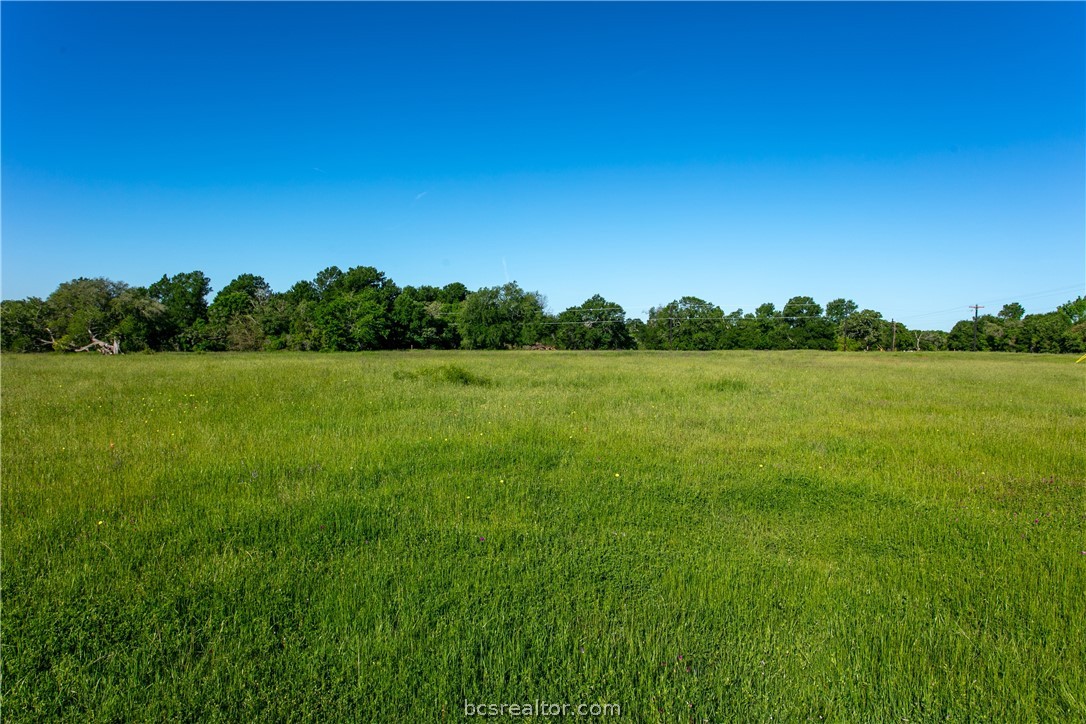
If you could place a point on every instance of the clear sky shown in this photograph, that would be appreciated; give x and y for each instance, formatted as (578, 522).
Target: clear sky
(914, 157)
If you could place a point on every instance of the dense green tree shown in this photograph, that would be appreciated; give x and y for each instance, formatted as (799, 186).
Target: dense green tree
(1074, 338)
(370, 296)
(688, 323)
(801, 309)
(252, 286)
(747, 331)
(365, 279)
(184, 298)
(425, 317)
(1074, 310)
(349, 310)
(1044, 332)
(445, 309)
(22, 325)
(137, 318)
(636, 328)
(896, 336)
(300, 303)
(731, 331)
(804, 326)
(236, 314)
(230, 304)
(1013, 311)
(657, 331)
(865, 330)
(78, 307)
(499, 317)
(274, 317)
(303, 291)
(326, 279)
(1005, 331)
(766, 311)
(993, 334)
(961, 337)
(414, 326)
(304, 334)
(997, 333)
(595, 324)
(837, 311)
(453, 293)
(352, 321)
(762, 329)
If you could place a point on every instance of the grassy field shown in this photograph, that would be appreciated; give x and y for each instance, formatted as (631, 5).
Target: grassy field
(691, 537)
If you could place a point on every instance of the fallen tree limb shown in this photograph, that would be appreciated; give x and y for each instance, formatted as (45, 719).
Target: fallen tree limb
(113, 347)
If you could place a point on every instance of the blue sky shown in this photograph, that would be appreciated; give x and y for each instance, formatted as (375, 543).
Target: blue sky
(914, 157)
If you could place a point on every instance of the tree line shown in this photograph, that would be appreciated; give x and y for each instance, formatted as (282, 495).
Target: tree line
(362, 309)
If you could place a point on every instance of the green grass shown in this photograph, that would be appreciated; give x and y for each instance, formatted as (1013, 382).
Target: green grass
(694, 537)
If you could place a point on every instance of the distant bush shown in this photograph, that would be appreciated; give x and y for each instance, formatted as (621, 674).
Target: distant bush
(728, 384)
(454, 374)
(461, 376)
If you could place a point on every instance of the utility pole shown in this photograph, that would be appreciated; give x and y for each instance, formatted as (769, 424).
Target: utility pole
(975, 307)
(893, 339)
(670, 323)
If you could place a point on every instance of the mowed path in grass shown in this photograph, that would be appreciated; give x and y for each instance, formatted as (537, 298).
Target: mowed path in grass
(693, 537)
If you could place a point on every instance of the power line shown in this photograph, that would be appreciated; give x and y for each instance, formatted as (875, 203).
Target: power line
(1013, 298)
(1031, 295)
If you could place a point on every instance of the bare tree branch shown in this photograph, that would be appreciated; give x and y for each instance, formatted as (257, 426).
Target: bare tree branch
(51, 341)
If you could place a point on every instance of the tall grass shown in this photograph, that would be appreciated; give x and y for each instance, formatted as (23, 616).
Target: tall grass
(695, 537)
